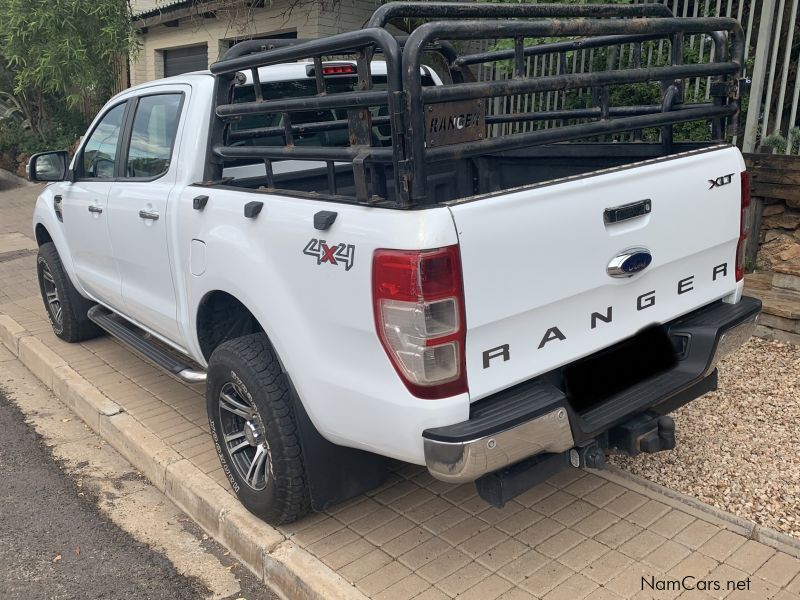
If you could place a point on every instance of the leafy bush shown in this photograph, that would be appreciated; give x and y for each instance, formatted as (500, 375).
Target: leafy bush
(777, 143)
(57, 67)
(66, 48)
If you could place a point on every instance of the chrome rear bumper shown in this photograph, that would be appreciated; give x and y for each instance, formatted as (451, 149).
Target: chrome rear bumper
(466, 461)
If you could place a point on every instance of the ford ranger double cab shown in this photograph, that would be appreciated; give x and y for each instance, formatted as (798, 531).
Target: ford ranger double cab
(364, 259)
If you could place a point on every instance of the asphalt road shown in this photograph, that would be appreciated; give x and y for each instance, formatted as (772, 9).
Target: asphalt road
(55, 544)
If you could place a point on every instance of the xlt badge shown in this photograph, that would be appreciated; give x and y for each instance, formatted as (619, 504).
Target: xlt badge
(720, 181)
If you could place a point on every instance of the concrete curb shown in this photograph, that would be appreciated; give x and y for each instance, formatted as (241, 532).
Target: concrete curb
(697, 508)
(289, 570)
(39, 359)
(10, 333)
(82, 397)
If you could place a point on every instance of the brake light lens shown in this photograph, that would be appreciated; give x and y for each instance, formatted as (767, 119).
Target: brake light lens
(418, 299)
(338, 69)
(744, 226)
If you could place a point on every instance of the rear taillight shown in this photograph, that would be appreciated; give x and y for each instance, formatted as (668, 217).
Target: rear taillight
(744, 226)
(418, 298)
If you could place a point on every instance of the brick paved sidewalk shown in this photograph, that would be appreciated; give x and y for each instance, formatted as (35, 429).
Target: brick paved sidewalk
(578, 536)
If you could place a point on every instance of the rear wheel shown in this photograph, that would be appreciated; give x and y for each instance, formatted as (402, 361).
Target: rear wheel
(66, 308)
(254, 429)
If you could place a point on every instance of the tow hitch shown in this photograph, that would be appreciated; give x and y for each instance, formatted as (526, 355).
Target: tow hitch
(647, 432)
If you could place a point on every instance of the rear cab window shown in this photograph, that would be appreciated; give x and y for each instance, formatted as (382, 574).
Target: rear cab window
(155, 126)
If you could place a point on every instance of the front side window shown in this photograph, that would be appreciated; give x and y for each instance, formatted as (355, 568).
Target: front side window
(100, 152)
(153, 135)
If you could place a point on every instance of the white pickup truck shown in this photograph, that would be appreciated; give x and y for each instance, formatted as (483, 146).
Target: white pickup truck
(361, 263)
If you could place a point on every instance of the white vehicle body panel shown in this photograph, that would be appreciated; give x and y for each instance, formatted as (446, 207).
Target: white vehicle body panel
(548, 270)
(319, 317)
(90, 241)
(45, 222)
(141, 246)
(531, 259)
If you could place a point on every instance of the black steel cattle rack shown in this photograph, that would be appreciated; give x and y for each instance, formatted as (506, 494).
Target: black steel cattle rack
(405, 100)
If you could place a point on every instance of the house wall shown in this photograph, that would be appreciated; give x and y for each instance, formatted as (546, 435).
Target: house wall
(308, 20)
(347, 15)
(139, 6)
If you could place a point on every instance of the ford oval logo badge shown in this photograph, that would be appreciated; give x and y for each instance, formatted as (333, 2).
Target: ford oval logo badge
(629, 262)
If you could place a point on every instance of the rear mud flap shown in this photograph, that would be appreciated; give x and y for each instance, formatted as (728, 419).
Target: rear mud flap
(335, 473)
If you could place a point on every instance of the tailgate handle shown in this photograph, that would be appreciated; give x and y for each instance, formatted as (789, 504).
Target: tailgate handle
(617, 214)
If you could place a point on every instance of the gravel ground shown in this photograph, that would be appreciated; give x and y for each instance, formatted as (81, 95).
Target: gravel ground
(738, 448)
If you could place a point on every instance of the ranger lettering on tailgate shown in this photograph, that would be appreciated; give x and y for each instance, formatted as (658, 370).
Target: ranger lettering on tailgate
(643, 301)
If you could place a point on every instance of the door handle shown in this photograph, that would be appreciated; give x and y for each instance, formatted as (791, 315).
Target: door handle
(149, 214)
(95, 209)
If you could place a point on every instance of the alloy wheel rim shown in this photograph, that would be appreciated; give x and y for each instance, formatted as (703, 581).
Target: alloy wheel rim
(244, 437)
(52, 296)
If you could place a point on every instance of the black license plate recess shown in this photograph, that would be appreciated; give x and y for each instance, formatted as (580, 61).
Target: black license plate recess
(598, 377)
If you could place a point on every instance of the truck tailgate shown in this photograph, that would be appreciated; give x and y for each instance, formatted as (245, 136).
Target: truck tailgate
(538, 293)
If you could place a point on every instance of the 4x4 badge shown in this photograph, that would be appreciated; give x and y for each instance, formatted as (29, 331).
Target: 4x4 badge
(333, 254)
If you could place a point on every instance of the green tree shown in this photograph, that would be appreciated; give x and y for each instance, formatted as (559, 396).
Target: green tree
(60, 53)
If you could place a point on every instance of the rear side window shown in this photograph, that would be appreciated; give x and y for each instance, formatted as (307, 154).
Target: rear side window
(153, 135)
(99, 157)
(300, 88)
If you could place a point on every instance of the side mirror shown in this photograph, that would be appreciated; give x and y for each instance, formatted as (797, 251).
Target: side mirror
(48, 166)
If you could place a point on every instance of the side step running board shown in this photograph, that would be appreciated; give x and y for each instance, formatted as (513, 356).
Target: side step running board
(142, 344)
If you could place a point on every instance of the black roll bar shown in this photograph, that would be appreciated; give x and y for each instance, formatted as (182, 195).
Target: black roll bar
(545, 115)
(477, 10)
(576, 132)
(416, 97)
(346, 154)
(553, 47)
(406, 98)
(343, 100)
(443, 47)
(339, 43)
(364, 42)
(719, 38)
(594, 112)
(512, 87)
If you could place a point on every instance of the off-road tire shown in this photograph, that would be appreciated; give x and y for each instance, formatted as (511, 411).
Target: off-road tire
(70, 324)
(248, 368)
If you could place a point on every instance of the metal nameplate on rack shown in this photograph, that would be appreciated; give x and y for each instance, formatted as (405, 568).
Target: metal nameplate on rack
(454, 122)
